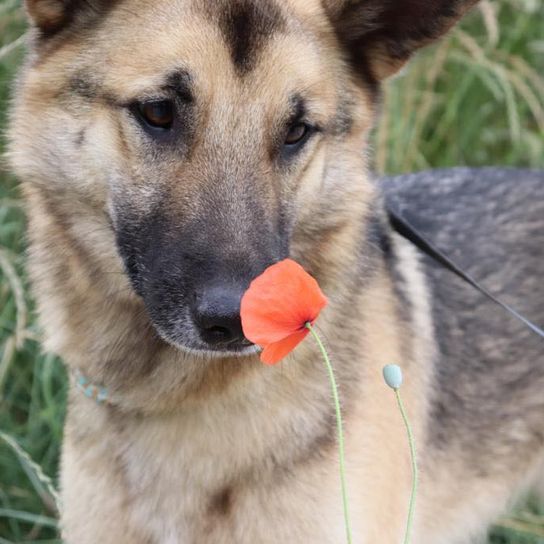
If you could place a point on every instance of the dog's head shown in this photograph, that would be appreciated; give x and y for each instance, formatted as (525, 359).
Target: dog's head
(208, 138)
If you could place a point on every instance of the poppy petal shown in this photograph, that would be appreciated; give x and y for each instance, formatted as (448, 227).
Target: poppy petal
(276, 351)
(279, 302)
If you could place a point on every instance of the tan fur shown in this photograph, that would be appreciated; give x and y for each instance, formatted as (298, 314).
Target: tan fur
(197, 449)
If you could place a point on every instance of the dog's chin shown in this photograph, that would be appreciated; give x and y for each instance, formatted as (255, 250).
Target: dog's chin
(201, 350)
(207, 353)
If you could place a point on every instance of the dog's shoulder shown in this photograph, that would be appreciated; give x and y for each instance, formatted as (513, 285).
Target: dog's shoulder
(490, 222)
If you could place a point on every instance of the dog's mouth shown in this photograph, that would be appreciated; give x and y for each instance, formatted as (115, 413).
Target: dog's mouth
(235, 349)
(244, 351)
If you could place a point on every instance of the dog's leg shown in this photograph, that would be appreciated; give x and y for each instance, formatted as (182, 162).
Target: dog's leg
(96, 501)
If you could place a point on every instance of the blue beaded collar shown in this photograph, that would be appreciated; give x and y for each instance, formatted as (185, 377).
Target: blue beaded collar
(95, 392)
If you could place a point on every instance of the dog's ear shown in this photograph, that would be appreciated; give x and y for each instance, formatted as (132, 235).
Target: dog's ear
(50, 16)
(380, 35)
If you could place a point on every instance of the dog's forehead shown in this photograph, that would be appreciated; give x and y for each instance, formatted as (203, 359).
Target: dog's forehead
(243, 27)
(231, 45)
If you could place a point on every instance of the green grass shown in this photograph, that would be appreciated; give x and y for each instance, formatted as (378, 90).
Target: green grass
(477, 98)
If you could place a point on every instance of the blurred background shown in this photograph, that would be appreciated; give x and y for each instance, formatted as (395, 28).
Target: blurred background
(476, 98)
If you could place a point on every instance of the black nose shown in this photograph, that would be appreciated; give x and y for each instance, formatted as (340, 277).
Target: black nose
(217, 315)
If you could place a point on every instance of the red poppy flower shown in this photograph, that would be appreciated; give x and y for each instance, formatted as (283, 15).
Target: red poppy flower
(277, 306)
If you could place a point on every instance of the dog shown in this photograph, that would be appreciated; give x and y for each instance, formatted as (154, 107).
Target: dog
(168, 153)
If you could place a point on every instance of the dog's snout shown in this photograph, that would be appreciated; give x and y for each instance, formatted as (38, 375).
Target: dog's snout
(216, 313)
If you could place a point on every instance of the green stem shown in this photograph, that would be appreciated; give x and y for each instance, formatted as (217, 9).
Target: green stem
(415, 476)
(339, 426)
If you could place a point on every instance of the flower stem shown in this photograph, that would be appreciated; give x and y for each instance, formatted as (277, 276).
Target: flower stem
(411, 441)
(339, 426)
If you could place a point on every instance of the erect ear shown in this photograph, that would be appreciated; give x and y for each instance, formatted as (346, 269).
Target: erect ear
(380, 35)
(50, 16)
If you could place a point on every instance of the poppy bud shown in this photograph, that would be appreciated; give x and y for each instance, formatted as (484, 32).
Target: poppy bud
(392, 374)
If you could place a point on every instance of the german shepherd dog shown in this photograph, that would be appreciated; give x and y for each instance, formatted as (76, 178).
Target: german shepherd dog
(169, 151)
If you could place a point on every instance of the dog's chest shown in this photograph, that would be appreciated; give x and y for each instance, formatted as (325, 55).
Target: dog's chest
(192, 482)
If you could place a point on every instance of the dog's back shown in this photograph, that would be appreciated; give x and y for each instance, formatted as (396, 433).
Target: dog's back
(488, 406)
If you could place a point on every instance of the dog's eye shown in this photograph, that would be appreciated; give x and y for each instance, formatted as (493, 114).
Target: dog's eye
(157, 114)
(296, 134)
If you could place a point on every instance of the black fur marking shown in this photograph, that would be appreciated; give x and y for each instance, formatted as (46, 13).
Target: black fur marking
(221, 503)
(246, 26)
(83, 85)
(181, 83)
(298, 107)
(379, 237)
(343, 121)
(80, 138)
